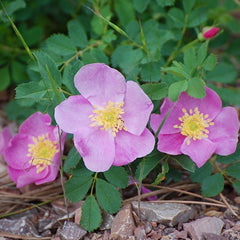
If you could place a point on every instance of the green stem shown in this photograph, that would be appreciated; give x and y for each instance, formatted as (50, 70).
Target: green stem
(19, 35)
(79, 53)
(61, 170)
(93, 183)
(175, 52)
(53, 85)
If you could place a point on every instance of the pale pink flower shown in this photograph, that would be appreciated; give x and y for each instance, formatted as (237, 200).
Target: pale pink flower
(197, 127)
(5, 136)
(108, 120)
(33, 155)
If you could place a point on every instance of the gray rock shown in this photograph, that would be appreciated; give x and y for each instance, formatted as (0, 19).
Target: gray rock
(21, 226)
(166, 213)
(71, 231)
(107, 221)
(212, 236)
(123, 224)
(204, 225)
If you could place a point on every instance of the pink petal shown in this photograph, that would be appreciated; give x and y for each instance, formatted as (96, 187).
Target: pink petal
(96, 148)
(211, 104)
(224, 132)
(146, 190)
(73, 114)
(100, 84)
(23, 178)
(172, 118)
(16, 153)
(5, 137)
(170, 143)
(53, 170)
(137, 108)
(199, 150)
(156, 121)
(210, 32)
(35, 125)
(128, 147)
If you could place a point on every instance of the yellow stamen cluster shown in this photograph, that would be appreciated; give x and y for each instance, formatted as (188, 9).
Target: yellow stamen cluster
(42, 152)
(109, 117)
(194, 124)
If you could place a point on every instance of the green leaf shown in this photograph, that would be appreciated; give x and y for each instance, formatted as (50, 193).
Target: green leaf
(43, 61)
(224, 73)
(165, 3)
(127, 58)
(176, 71)
(68, 76)
(210, 63)
(156, 91)
(212, 185)
(98, 24)
(61, 45)
(18, 72)
(161, 175)
(125, 11)
(196, 88)
(5, 79)
(77, 187)
(77, 33)
(117, 176)
(228, 95)
(186, 162)
(151, 72)
(201, 173)
(236, 185)
(71, 160)
(176, 89)
(234, 170)
(177, 16)
(11, 7)
(202, 53)
(91, 214)
(230, 158)
(108, 196)
(149, 163)
(190, 59)
(140, 5)
(95, 55)
(188, 5)
(197, 16)
(31, 90)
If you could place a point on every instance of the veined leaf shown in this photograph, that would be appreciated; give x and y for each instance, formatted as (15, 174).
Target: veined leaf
(117, 176)
(91, 214)
(108, 196)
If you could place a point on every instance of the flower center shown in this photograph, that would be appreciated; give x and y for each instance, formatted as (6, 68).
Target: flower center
(194, 124)
(42, 152)
(109, 117)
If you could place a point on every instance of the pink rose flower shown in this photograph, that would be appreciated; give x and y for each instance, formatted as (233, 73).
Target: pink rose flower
(210, 32)
(197, 127)
(33, 155)
(108, 120)
(5, 137)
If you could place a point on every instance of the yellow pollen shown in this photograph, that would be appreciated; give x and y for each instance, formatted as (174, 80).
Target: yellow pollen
(109, 117)
(42, 152)
(194, 124)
